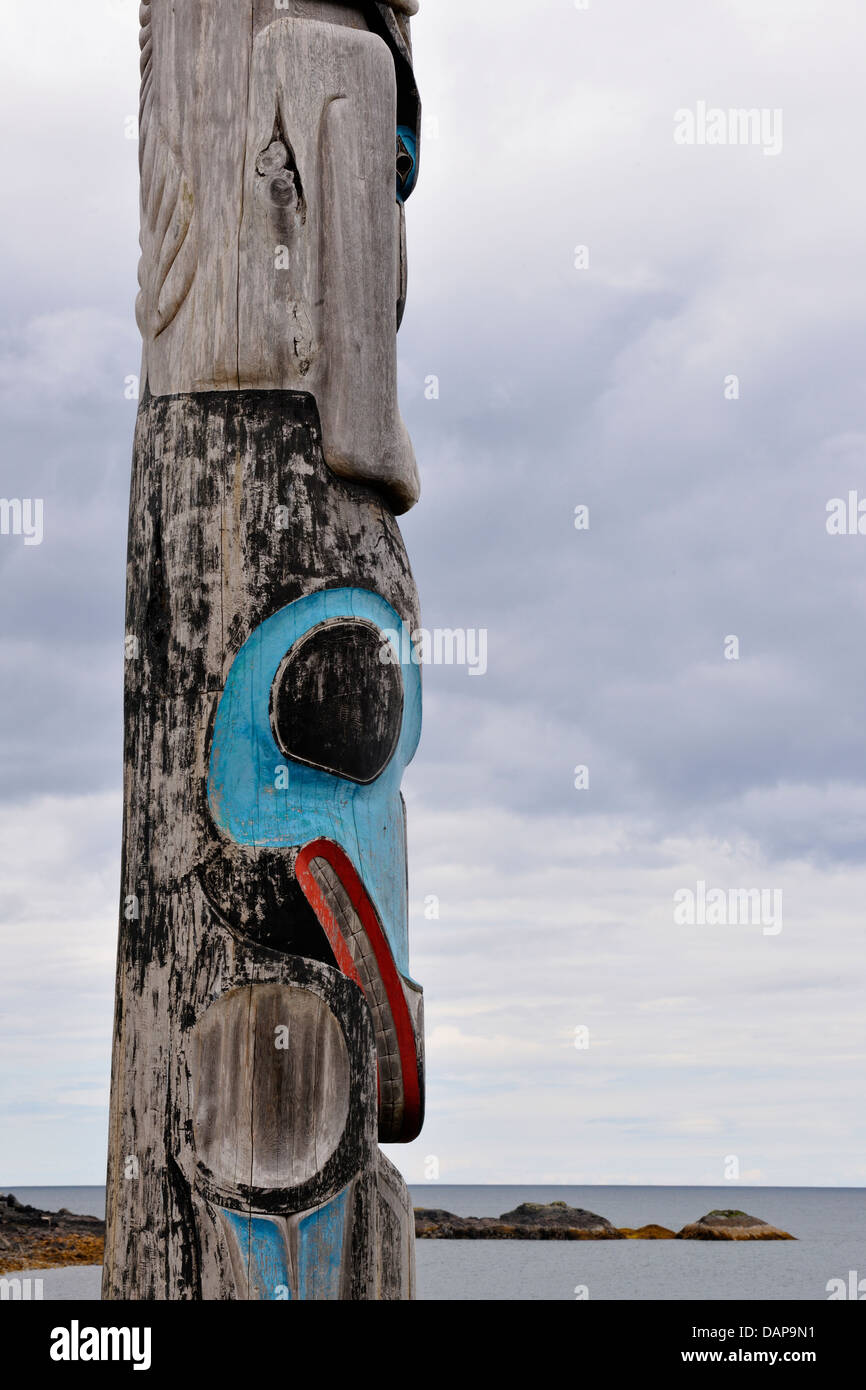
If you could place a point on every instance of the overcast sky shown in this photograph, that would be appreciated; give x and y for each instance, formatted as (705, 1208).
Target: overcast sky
(549, 128)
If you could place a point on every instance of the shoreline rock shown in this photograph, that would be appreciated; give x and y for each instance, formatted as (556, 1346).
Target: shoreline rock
(35, 1239)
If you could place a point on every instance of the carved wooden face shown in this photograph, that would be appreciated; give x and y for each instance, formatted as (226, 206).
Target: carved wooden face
(320, 715)
(272, 234)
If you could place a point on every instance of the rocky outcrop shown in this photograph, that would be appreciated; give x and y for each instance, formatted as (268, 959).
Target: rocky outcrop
(558, 1221)
(529, 1221)
(34, 1239)
(731, 1225)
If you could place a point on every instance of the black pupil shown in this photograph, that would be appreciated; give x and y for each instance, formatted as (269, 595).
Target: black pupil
(336, 705)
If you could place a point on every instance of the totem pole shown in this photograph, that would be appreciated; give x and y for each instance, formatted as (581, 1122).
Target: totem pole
(268, 1033)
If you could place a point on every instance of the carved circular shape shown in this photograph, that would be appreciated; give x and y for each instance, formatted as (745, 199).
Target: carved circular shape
(270, 1077)
(335, 705)
(275, 157)
(282, 190)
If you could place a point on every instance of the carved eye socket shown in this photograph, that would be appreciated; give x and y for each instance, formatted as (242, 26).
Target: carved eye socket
(407, 162)
(335, 705)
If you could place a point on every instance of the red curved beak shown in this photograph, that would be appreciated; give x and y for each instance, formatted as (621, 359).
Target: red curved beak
(351, 923)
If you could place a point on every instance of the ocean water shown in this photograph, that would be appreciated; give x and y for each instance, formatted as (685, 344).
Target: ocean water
(829, 1223)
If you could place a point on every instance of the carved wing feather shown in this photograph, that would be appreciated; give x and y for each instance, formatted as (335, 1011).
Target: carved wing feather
(168, 235)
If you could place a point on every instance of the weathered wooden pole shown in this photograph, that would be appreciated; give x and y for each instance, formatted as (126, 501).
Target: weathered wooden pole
(268, 1032)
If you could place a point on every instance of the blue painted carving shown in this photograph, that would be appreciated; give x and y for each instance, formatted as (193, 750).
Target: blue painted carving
(255, 803)
(321, 1242)
(262, 1243)
(407, 162)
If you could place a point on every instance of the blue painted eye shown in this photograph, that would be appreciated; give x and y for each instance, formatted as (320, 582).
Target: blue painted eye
(407, 162)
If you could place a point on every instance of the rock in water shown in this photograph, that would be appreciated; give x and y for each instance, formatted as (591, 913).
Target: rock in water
(559, 1216)
(558, 1221)
(529, 1221)
(731, 1225)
